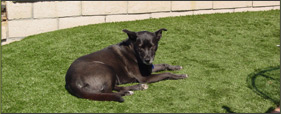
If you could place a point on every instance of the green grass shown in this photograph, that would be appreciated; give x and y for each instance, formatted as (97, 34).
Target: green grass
(232, 61)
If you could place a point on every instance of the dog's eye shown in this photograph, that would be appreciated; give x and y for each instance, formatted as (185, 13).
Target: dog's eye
(141, 50)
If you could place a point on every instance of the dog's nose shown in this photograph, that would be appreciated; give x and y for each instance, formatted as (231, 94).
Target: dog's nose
(147, 60)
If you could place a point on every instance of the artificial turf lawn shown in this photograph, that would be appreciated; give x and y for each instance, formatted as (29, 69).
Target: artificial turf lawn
(232, 61)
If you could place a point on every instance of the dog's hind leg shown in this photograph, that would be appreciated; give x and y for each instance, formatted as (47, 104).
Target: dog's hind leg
(162, 67)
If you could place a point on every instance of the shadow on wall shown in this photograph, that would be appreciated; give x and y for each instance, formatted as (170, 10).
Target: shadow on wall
(266, 83)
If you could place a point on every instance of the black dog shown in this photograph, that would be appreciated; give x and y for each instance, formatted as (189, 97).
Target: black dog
(96, 75)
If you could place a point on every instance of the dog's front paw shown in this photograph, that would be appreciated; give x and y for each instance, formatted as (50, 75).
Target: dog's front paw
(143, 86)
(174, 67)
(129, 93)
(181, 76)
(184, 75)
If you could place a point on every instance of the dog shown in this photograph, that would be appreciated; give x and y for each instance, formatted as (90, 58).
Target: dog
(96, 75)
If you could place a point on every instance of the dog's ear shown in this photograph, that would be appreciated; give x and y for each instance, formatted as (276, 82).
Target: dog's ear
(131, 35)
(158, 33)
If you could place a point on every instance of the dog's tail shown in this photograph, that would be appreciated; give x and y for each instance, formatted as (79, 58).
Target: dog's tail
(103, 97)
(98, 96)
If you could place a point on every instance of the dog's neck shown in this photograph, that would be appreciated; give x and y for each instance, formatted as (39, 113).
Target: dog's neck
(127, 43)
(145, 70)
(129, 46)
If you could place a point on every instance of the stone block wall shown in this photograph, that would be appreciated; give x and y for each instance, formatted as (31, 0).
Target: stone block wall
(29, 18)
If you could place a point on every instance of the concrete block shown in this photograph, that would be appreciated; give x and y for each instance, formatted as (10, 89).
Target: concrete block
(148, 6)
(170, 14)
(68, 8)
(266, 3)
(118, 18)
(180, 5)
(22, 28)
(103, 7)
(231, 4)
(203, 12)
(223, 11)
(80, 21)
(191, 5)
(201, 5)
(213, 11)
(3, 30)
(56, 9)
(276, 7)
(253, 9)
(182, 13)
(45, 9)
(19, 10)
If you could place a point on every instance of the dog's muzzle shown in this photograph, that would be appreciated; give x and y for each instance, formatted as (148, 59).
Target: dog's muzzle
(148, 61)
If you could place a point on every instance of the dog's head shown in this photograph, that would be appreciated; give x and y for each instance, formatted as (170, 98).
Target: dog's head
(145, 44)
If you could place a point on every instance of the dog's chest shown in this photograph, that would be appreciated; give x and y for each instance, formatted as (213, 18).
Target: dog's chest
(125, 76)
(129, 72)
